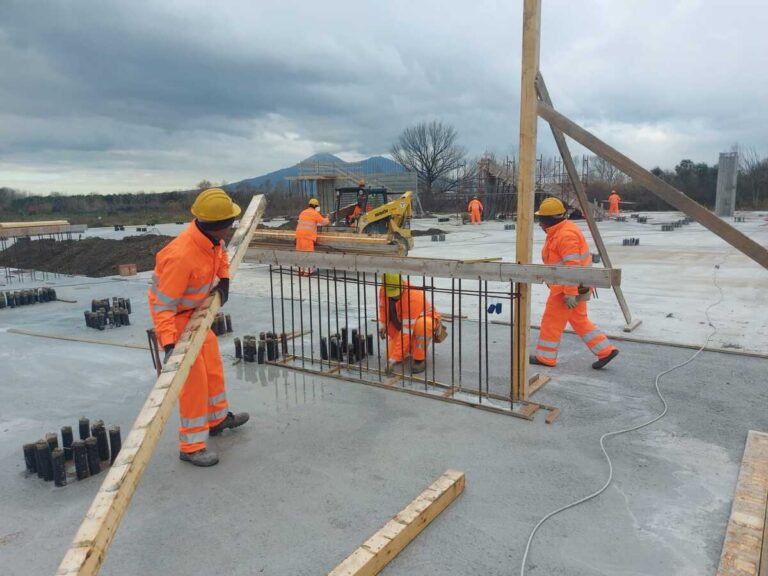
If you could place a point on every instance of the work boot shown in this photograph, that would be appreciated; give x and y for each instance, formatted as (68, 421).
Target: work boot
(231, 421)
(533, 360)
(418, 367)
(202, 457)
(603, 361)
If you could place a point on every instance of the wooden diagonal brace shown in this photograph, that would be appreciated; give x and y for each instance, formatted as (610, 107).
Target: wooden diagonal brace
(666, 192)
(85, 556)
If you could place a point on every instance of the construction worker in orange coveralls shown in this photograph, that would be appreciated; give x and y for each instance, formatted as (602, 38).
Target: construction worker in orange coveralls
(613, 203)
(360, 206)
(187, 270)
(475, 209)
(407, 320)
(306, 230)
(566, 246)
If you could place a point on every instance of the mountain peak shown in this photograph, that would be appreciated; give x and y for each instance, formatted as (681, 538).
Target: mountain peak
(323, 157)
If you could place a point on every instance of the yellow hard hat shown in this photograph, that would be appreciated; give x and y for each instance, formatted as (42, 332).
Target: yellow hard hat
(314, 202)
(393, 284)
(361, 183)
(213, 205)
(551, 207)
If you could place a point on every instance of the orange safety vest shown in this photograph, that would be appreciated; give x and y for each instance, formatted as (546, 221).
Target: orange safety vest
(412, 305)
(475, 205)
(565, 246)
(308, 221)
(185, 273)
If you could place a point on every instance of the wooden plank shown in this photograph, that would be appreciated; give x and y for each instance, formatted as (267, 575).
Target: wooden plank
(552, 416)
(743, 544)
(537, 383)
(95, 534)
(660, 188)
(439, 267)
(526, 191)
(379, 550)
(578, 188)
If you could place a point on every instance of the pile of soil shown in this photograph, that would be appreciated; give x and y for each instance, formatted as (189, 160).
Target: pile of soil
(90, 257)
(428, 232)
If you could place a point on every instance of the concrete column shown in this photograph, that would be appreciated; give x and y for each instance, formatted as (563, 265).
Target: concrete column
(727, 172)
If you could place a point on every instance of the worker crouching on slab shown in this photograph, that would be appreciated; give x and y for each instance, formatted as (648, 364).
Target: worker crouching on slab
(186, 271)
(566, 246)
(408, 321)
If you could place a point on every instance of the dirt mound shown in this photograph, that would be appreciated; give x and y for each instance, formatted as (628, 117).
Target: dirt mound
(89, 257)
(428, 232)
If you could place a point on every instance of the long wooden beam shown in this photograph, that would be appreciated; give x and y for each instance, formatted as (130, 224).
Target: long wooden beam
(85, 556)
(578, 188)
(492, 271)
(666, 192)
(744, 538)
(376, 552)
(526, 190)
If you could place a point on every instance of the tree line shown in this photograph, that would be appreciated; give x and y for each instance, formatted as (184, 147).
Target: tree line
(431, 149)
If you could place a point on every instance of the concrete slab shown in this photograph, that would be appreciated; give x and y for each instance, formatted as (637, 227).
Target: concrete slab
(667, 279)
(324, 463)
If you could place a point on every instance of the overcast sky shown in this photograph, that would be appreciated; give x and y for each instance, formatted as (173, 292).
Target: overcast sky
(158, 95)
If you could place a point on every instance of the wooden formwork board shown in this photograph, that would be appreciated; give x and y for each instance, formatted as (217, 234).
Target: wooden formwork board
(744, 550)
(376, 552)
(92, 540)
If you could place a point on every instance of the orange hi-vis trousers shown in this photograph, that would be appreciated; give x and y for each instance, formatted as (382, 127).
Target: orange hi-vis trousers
(556, 316)
(414, 342)
(474, 216)
(203, 399)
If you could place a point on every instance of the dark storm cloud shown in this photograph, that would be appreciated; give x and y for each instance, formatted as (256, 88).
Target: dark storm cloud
(142, 94)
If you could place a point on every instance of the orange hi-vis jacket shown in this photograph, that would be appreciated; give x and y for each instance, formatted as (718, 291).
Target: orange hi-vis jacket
(475, 205)
(186, 271)
(614, 200)
(412, 305)
(309, 218)
(565, 246)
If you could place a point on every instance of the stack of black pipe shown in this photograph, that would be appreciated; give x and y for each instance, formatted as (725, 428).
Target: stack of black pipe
(103, 313)
(90, 453)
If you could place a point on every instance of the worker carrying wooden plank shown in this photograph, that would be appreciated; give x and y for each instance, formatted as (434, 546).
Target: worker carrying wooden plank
(306, 229)
(475, 209)
(189, 268)
(566, 246)
(409, 322)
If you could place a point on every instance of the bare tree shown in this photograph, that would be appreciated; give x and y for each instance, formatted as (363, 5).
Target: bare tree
(430, 150)
(204, 185)
(603, 171)
(753, 176)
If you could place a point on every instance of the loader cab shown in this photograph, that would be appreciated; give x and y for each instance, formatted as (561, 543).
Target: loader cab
(348, 198)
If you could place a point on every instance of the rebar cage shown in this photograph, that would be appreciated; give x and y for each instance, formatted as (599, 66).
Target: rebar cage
(327, 322)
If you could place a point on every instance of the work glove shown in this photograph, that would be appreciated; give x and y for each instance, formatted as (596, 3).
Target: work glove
(168, 352)
(571, 302)
(222, 288)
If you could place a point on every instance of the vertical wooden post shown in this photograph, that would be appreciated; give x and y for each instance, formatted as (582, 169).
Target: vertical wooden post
(526, 188)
